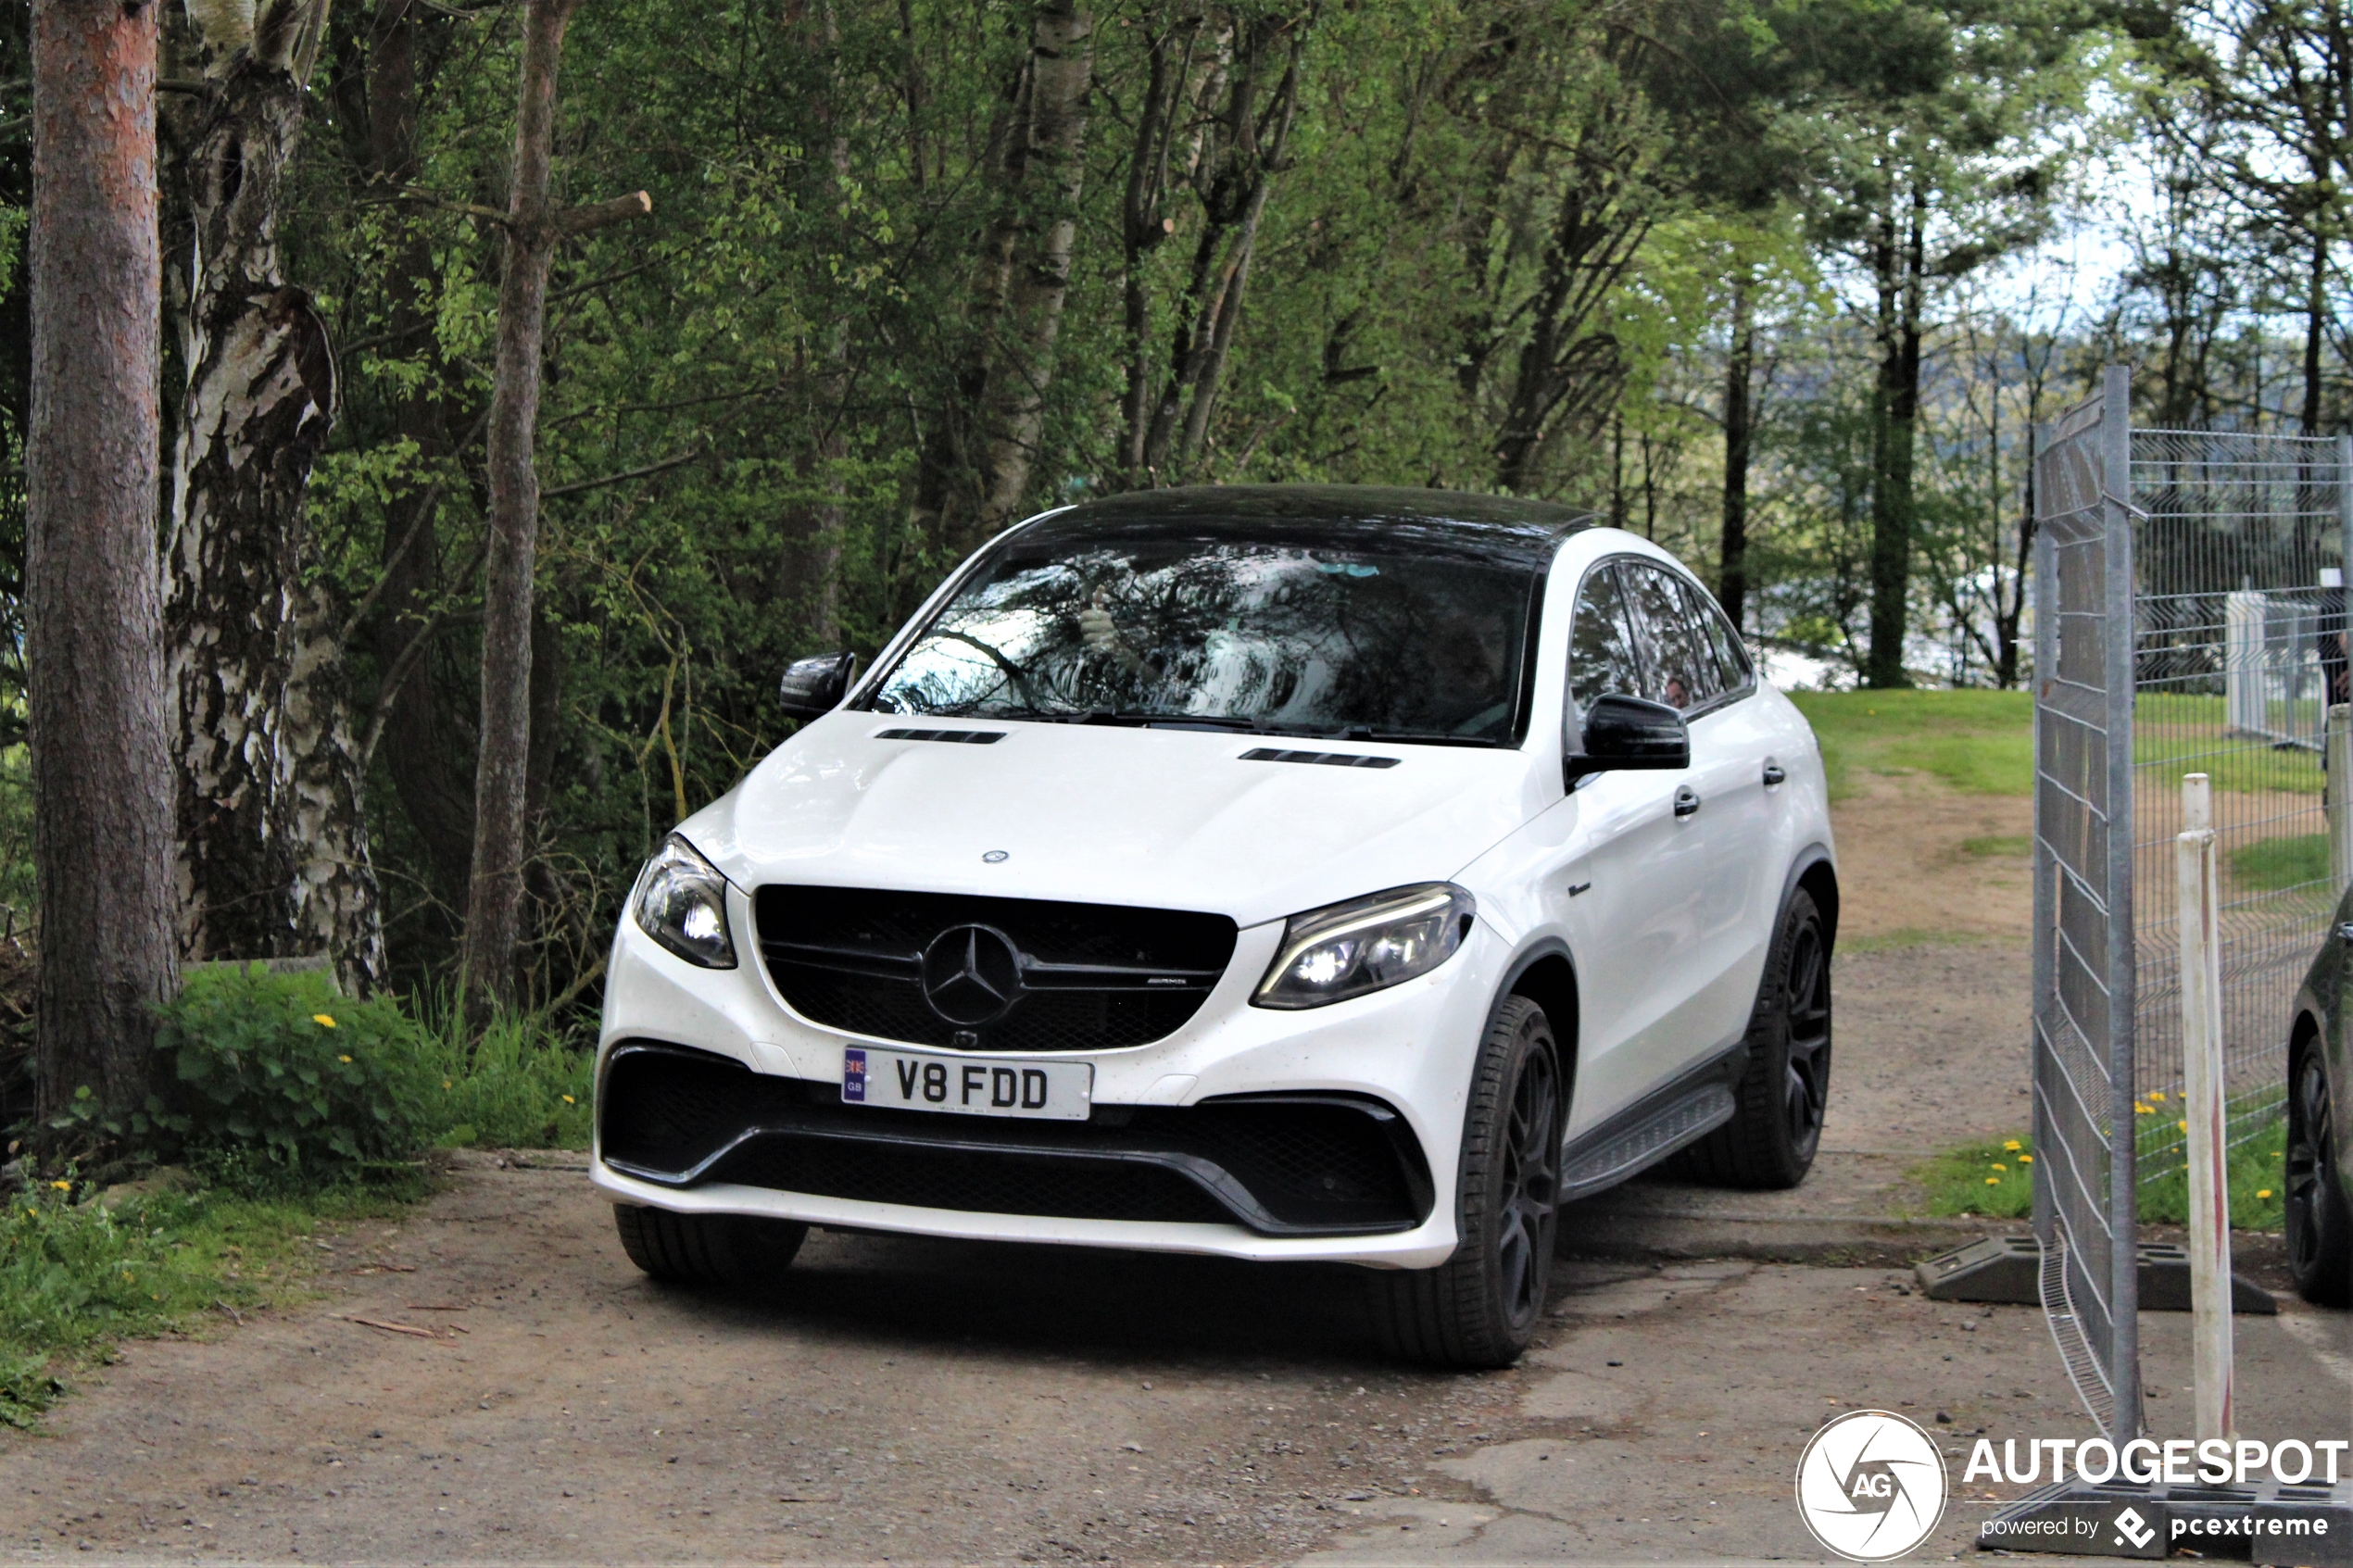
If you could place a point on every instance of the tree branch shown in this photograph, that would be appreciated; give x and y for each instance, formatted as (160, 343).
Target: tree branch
(577, 485)
(580, 220)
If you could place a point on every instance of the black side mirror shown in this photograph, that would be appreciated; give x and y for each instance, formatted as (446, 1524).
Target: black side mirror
(1624, 733)
(814, 687)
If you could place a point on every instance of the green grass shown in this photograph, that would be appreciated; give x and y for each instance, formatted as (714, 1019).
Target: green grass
(81, 1270)
(1982, 742)
(1996, 1180)
(2000, 847)
(78, 1274)
(519, 1086)
(2270, 864)
(1977, 742)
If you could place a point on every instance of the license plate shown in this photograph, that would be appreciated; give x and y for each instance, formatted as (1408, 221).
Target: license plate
(1058, 1091)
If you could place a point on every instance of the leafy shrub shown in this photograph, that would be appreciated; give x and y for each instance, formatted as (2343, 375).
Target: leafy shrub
(282, 1065)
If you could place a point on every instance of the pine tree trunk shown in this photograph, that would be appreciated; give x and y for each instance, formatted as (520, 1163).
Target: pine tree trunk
(1740, 366)
(101, 765)
(273, 856)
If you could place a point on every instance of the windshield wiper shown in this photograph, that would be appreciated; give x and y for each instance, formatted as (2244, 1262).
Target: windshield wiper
(1416, 737)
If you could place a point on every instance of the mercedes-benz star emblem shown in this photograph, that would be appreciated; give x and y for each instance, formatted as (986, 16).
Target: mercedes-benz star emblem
(972, 975)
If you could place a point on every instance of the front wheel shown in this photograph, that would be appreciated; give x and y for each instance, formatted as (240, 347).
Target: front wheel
(1480, 1307)
(733, 1250)
(1777, 1127)
(2320, 1220)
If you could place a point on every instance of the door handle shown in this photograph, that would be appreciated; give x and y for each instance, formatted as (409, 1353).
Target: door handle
(1774, 774)
(1686, 800)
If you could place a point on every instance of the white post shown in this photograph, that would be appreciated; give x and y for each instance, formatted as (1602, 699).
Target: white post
(2202, 1082)
(2338, 788)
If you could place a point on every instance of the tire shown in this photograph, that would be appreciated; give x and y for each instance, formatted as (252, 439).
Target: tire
(2320, 1220)
(1777, 1126)
(1482, 1306)
(729, 1251)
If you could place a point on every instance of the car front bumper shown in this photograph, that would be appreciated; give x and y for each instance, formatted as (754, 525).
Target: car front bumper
(1402, 1056)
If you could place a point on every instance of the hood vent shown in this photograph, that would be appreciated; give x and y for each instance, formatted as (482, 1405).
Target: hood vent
(1326, 758)
(953, 737)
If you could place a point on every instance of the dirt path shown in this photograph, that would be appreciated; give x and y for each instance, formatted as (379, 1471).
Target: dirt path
(934, 1401)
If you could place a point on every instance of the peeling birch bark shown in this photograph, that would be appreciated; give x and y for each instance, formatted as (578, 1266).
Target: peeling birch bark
(273, 845)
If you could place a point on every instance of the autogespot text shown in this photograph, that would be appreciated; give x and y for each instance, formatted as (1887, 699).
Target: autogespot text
(2178, 1461)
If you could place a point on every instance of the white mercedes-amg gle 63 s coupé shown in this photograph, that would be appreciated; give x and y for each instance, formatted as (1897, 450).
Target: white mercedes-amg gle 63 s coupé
(1281, 872)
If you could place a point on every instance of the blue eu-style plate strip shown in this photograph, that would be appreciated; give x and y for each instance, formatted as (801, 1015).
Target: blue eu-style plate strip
(853, 1075)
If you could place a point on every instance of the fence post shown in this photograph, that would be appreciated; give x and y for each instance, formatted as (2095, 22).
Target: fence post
(2337, 786)
(2201, 891)
(2118, 618)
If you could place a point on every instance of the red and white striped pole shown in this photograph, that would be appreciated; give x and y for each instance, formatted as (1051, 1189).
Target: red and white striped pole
(2200, 890)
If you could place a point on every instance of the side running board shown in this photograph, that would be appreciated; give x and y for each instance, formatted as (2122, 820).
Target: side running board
(1653, 1137)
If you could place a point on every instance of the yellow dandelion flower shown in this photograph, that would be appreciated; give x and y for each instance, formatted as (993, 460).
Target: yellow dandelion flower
(2183, 1126)
(323, 1020)
(2000, 1167)
(342, 1059)
(569, 1100)
(62, 1186)
(2263, 1192)
(2026, 1159)
(1992, 1181)
(2013, 1146)
(2139, 1110)
(2156, 1094)
(446, 1083)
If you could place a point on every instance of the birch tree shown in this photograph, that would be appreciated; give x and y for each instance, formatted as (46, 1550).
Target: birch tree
(272, 856)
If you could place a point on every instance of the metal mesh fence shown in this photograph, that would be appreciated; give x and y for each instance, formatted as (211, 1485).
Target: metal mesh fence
(2237, 650)
(2083, 958)
(2190, 618)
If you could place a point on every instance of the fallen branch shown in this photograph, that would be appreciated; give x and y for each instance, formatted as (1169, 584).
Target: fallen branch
(408, 1328)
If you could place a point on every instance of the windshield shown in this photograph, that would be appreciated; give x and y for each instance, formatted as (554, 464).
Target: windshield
(1288, 637)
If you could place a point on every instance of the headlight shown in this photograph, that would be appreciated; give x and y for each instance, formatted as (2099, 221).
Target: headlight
(681, 902)
(1343, 950)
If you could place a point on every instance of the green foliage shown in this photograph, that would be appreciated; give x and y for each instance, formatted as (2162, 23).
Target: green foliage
(289, 1085)
(1979, 742)
(282, 1064)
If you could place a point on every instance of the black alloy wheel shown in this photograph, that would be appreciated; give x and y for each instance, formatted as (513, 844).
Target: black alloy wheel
(1482, 1306)
(1784, 1090)
(2320, 1220)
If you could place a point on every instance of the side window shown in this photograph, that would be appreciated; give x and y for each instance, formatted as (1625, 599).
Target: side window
(1601, 644)
(1730, 657)
(1681, 663)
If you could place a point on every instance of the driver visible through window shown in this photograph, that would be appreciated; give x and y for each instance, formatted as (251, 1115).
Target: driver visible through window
(1284, 637)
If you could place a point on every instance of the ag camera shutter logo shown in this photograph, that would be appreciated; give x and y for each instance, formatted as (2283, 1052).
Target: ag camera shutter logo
(1871, 1486)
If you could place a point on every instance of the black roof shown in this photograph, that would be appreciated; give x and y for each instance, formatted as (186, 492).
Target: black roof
(1501, 529)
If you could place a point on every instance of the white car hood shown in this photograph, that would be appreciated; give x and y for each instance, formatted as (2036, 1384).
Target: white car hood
(1164, 819)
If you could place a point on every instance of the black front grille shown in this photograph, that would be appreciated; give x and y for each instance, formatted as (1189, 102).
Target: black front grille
(1092, 976)
(1280, 1164)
